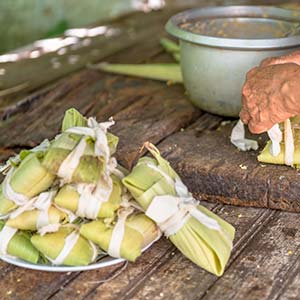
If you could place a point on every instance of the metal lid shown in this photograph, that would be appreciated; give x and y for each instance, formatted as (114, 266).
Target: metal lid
(249, 13)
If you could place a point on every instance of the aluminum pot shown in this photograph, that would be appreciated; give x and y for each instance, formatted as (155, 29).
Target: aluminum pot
(214, 67)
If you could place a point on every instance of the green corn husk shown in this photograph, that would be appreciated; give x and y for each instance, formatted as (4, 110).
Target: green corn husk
(145, 226)
(73, 118)
(51, 244)
(28, 219)
(164, 72)
(21, 247)
(6, 206)
(171, 47)
(68, 198)
(90, 167)
(266, 157)
(140, 231)
(30, 178)
(206, 247)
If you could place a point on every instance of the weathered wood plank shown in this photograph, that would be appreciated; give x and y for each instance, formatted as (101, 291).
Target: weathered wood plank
(291, 288)
(152, 118)
(180, 279)
(119, 287)
(5, 268)
(94, 285)
(34, 73)
(137, 53)
(266, 265)
(91, 91)
(161, 273)
(215, 170)
(166, 110)
(95, 93)
(23, 284)
(105, 98)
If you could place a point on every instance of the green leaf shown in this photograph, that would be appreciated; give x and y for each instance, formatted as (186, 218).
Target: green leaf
(73, 118)
(163, 72)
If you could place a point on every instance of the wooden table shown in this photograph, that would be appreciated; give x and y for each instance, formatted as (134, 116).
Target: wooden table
(265, 261)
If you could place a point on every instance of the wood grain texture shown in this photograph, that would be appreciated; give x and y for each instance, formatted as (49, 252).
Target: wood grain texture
(180, 279)
(215, 170)
(198, 148)
(29, 74)
(291, 287)
(266, 265)
(115, 288)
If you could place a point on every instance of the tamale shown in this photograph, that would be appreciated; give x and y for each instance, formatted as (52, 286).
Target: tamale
(21, 247)
(6, 205)
(29, 179)
(198, 233)
(145, 226)
(68, 197)
(73, 118)
(139, 231)
(266, 157)
(89, 166)
(80, 253)
(28, 220)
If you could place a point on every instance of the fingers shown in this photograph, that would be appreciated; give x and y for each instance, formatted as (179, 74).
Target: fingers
(252, 72)
(293, 57)
(268, 61)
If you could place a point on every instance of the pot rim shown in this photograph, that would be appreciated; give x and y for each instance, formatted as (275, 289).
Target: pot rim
(274, 13)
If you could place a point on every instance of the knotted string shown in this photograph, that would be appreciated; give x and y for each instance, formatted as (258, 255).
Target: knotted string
(42, 203)
(118, 232)
(6, 234)
(91, 197)
(172, 212)
(95, 130)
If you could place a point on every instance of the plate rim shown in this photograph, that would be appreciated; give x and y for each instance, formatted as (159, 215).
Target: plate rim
(48, 268)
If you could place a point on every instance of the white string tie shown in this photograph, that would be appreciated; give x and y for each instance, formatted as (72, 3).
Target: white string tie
(118, 232)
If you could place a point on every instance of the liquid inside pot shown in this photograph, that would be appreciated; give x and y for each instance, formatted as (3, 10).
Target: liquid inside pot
(242, 27)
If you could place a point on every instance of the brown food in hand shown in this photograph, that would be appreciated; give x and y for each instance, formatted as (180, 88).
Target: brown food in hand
(271, 93)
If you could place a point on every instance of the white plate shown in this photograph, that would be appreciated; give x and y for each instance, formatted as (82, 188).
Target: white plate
(104, 262)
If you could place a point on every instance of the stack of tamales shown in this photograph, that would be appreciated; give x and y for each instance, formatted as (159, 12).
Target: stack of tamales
(63, 202)
(68, 202)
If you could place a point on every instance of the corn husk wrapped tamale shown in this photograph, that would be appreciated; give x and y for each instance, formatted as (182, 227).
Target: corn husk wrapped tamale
(68, 197)
(6, 205)
(280, 159)
(29, 179)
(20, 246)
(77, 251)
(144, 225)
(198, 233)
(90, 166)
(28, 220)
(73, 118)
(139, 231)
